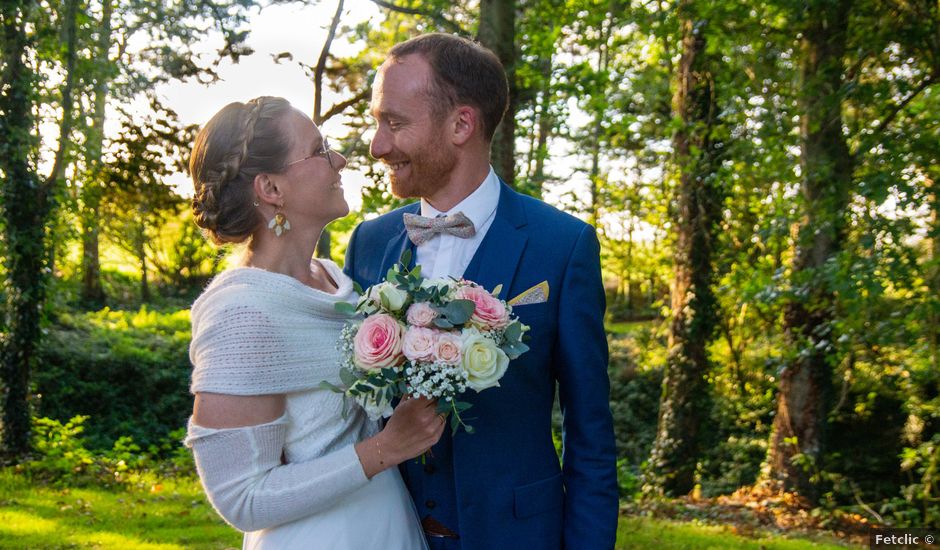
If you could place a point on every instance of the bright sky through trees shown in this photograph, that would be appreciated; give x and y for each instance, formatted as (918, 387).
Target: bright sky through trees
(295, 28)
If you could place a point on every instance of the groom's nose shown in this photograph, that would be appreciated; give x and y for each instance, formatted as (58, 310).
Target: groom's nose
(381, 143)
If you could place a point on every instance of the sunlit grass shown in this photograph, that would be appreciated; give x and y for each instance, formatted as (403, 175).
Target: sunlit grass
(175, 515)
(644, 533)
(170, 515)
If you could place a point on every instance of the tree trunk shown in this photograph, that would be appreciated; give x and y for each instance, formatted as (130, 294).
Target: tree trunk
(498, 33)
(684, 402)
(140, 250)
(25, 206)
(92, 293)
(798, 434)
(933, 325)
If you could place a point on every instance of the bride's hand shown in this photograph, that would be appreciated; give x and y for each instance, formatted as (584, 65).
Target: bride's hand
(414, 427)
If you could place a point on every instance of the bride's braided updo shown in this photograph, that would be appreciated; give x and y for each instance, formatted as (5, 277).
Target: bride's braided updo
(238, 143)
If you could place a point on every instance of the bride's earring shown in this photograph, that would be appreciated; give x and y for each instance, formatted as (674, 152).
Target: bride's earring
(279, 223)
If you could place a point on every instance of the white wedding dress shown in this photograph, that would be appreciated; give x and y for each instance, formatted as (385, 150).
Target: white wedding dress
(379, 515)
(291, 350)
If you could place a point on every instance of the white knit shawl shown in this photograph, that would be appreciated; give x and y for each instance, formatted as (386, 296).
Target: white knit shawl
(257, 333)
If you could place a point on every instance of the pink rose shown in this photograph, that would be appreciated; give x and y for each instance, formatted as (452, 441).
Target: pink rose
(421, 314)
(377, 345)
(489, 312)
(447, 348)
(418, 344)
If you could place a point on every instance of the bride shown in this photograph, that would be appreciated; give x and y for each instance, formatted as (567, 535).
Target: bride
(274, 452)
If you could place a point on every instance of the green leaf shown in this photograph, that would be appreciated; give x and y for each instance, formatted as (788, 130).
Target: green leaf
(348, 378)
(357, 287)
(497, 290)
(405, 258)
(513, 332)
(345, 307)
(441, 322)
(332, 387)
(458, 312)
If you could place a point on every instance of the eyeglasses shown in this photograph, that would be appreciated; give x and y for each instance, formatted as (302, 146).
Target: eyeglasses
(324, 152)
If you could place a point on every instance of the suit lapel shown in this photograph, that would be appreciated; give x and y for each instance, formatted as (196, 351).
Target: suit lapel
(397, 244)
(498, 256)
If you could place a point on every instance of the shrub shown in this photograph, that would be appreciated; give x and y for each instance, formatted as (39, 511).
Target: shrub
(61, 457)
(128, 371)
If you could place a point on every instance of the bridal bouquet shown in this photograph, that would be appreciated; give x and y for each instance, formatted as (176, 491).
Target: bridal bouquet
(429, 338)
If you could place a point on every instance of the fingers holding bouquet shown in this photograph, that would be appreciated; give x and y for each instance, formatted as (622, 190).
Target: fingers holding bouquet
(414, 427)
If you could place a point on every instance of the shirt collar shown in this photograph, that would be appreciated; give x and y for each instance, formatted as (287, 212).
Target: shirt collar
(478, 206)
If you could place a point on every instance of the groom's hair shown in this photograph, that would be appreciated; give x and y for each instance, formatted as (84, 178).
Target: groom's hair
(465, 73)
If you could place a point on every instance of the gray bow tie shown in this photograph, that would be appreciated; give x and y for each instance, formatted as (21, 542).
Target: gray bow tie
(421, 229)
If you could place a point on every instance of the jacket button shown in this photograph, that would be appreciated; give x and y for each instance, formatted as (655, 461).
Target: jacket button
(430, 504)
(429, 468)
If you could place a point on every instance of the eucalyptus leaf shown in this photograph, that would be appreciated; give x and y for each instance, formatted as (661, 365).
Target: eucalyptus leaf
(345, 307)
(458, 312)
(349, 379)
(513, 332)
(332, 387)
(441, 322)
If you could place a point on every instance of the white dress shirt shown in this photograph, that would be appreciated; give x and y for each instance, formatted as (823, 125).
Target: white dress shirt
(448, 256)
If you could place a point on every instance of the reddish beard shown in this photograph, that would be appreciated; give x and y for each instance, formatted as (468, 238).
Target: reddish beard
(430, 168)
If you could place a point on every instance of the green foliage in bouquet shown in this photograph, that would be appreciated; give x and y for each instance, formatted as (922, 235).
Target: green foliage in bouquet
(375, 387)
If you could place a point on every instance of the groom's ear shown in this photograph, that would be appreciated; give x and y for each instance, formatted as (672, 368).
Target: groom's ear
(466, 123)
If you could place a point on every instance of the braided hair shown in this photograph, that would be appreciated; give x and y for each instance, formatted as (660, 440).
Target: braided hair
(238, 143)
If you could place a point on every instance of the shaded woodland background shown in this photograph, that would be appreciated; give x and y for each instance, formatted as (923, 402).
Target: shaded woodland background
(763, 176)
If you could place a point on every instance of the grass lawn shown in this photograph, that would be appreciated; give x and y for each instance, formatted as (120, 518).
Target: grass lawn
(641, 532)
(175, 515)
(167, 516)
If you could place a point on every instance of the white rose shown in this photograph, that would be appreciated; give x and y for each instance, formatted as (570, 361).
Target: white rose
(391, 295)
(376, 407)
(484, 363)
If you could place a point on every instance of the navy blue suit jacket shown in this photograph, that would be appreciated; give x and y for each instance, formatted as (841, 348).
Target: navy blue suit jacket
(502, 486)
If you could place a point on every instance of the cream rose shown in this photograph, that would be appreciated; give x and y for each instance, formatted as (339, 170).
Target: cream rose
(373, 402)
(484, 363)
(392, 296)
(447, 348)
(418, 344)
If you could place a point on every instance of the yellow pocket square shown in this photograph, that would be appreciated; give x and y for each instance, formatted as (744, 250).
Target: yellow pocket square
(535, 295)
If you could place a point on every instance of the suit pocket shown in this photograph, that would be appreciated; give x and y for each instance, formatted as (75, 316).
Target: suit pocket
(541, 496)
(532, 311)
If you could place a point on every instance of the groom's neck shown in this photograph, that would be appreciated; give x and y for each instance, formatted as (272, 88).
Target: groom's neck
(464, 180)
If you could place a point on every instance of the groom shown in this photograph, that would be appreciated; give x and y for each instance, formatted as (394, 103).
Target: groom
(437, 100)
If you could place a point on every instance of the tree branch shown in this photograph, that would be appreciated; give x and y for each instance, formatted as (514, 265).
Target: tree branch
(65, 128)
(341, 106)
(436, 17)
(927, 82)
(321, 65)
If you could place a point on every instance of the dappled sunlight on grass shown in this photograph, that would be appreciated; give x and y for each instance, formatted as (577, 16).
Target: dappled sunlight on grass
(642, 533)
(15, 523)
(170, 514)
